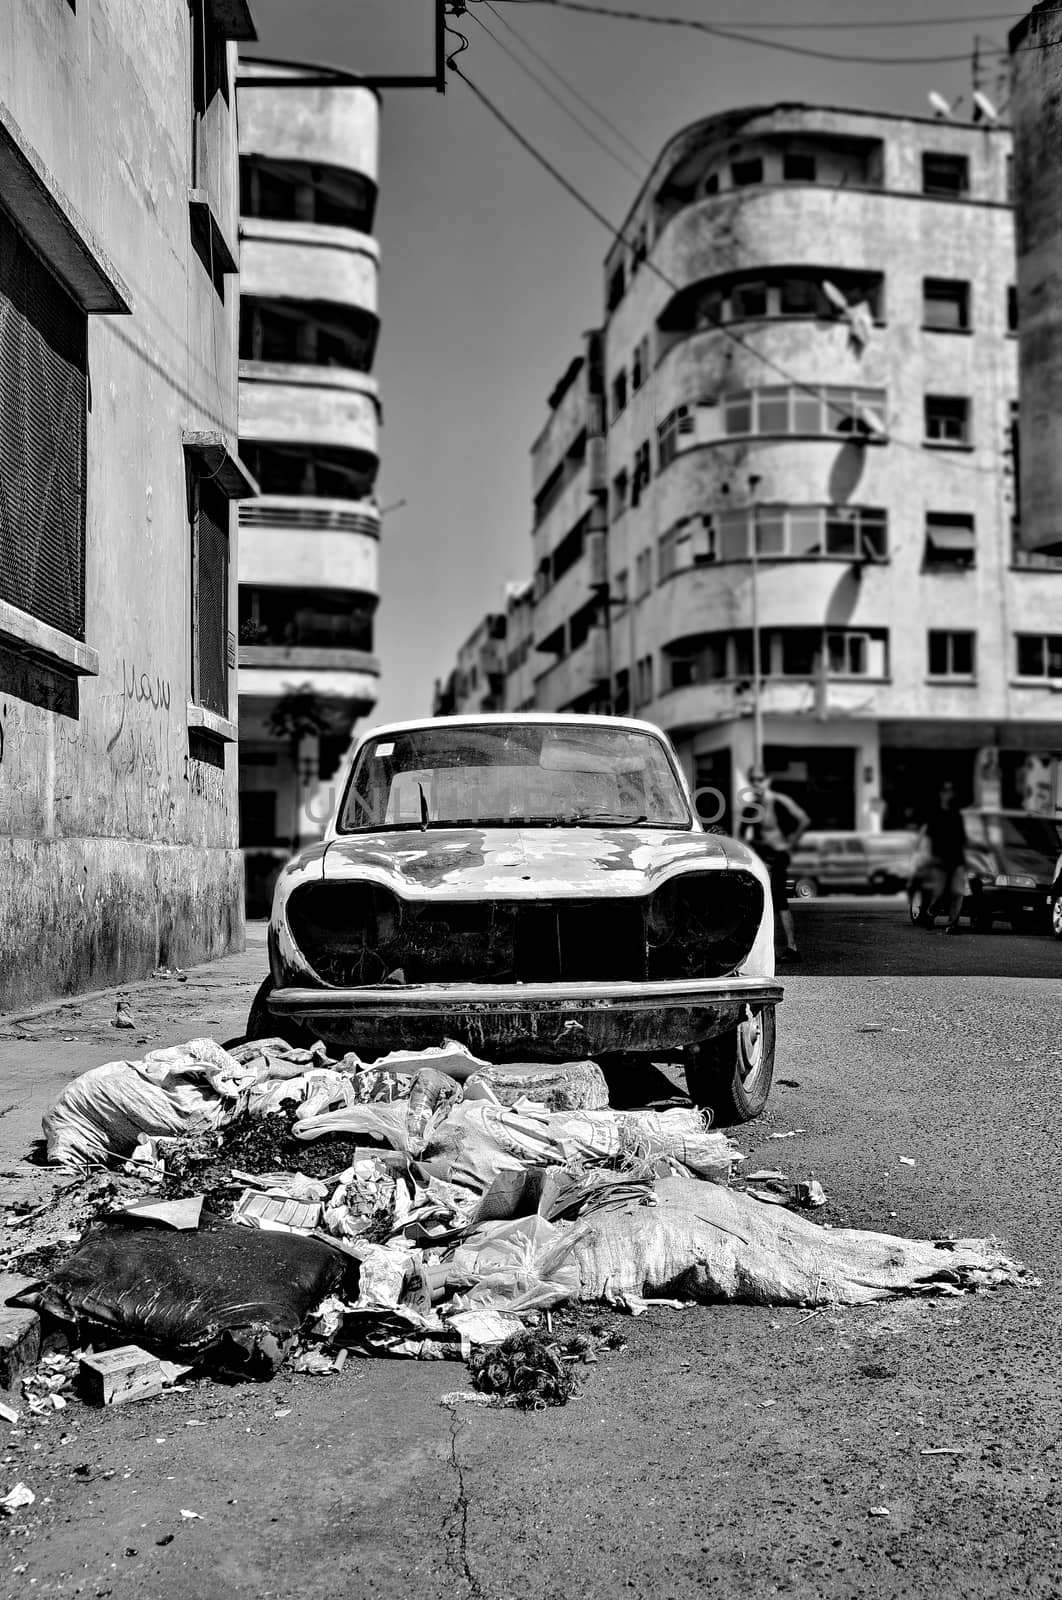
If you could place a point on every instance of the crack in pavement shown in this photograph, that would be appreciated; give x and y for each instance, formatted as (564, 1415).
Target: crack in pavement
(461, 1507)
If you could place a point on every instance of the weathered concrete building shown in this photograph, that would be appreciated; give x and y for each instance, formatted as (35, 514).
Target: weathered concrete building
(819, 308)
(118, 466)
(477, 682)
(569, 482)
(1035, 111)
(309, 423)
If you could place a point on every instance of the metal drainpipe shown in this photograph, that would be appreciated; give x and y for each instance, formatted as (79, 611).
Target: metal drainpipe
(757, 708)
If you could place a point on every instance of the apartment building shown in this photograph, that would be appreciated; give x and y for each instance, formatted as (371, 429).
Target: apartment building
(118, 469)
(477, 681)
(811, 366)
(569, 534)
(309, 424)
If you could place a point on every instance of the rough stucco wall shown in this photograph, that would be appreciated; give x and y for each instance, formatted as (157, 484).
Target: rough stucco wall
(116, 845)
(1036, 113)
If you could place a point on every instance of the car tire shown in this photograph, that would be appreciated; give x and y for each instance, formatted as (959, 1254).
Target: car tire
(262, 1024)
(731, 1075)
(1056, 916)
(918, 903)
(805, 889)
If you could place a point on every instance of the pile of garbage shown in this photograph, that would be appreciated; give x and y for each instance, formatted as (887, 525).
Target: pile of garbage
(279, 1206)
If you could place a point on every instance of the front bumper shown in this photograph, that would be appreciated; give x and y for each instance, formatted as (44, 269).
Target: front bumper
(533, 1021)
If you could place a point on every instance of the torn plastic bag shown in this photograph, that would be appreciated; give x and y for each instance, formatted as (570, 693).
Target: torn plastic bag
(431, 1093)
(386, 1122)
(517, 1266)
(449, 1057)
(570, 1086)
(189, 1088)
(233, 1298)
(280, 1059)
(705, 1242)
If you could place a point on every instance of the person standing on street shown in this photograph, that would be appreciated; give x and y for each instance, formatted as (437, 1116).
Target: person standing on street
(773, 825)
(943, 840)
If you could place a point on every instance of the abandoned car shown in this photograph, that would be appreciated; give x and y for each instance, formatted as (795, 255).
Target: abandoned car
(537, 888)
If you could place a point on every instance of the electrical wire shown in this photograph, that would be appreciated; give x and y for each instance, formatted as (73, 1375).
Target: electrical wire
(873, 25)
(620, 237)
(544, 86)
(571, 88)
(717, 31)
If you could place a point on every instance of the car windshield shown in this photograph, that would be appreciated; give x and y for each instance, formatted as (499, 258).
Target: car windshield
(1040, 836)
(511, 774)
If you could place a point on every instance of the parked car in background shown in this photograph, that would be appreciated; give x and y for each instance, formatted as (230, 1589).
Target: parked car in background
(1011, 871)
(1056, 900)
(537, 888)
(851, 863)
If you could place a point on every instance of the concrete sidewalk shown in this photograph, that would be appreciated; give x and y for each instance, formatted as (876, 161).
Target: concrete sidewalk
(40, 1051)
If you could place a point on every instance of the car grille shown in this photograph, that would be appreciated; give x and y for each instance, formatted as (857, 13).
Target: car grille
(698, 926)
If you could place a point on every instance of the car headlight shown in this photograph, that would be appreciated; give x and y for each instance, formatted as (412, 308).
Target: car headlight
(1014, 880)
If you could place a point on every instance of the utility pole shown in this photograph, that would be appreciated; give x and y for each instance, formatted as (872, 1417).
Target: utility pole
(757, 706)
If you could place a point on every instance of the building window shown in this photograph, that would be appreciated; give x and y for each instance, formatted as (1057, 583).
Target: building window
(678, 424)
(1039, 655)
(310, 332)
(855, 533)
(748, 300)
(782, 292)
(643, 681)
(800, 297)
(642, 472)
(617, 286)
(711, 183)
(639, 249)
(792, 408)
(210, 595)
(640, 364)
(619, 590)
(43, 426)
(951, 655)
(950, 540)
(850, 654)
(619, 392)
(210, 74)
(306, 191)
(1012, 309)
(643, 574)
(798, 168)
(945, 304)
(945, 176)
(746, 172)
(619, 493)
(947, 419)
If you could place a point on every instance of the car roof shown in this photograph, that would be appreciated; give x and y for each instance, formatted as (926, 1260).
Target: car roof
(484, 719)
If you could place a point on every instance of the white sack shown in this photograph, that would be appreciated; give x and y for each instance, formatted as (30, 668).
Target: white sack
(189, 1088)
(705, 1242)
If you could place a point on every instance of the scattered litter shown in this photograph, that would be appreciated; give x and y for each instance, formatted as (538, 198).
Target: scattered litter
(283, 1411)
(942, 1450)
(879, 1511)
(8, 1413)
(123, 1017)
(179, 1214)
(15, 1499)
(792, 1134)
(872, 1027)
(905, 1161)
(527, 1371)
(113, 1377)
(468, 1397)
(191, 1516)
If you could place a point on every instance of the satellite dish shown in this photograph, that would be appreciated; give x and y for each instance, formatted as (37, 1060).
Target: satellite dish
(984, 110)
(873, 421)
(941, 106)
(834, 295)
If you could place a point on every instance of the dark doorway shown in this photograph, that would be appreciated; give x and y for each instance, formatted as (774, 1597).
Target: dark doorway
(822, 780)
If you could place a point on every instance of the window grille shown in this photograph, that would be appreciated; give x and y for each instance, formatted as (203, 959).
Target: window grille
(210, 597)
(43, 425)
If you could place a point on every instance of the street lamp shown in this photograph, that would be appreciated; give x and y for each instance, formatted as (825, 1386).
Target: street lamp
(757, 707)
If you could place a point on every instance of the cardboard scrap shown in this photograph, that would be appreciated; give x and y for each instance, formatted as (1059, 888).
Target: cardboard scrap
(113, 1377)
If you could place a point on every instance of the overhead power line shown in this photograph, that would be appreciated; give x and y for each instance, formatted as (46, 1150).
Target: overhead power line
(555, 97)
(600, 115)
(619, 237)
(725, 31)
(871, 25)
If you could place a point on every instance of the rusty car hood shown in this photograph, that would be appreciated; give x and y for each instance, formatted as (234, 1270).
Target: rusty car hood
(500, 863)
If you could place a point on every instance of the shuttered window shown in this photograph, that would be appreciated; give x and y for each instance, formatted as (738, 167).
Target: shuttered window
(210, 596)
(43, 416)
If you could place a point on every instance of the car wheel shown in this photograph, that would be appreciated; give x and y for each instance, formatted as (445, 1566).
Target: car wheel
(730, 1076)
(262, 1024)
(918, 903)
(1056, 917)
(805, 889)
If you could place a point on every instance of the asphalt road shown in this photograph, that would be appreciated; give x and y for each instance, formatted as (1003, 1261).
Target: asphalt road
(730, 1451)
(872, 935)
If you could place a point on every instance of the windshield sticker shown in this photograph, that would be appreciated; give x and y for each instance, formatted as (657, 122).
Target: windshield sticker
(384, 750)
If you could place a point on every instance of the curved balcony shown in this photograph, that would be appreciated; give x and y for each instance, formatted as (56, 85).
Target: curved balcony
(789, 594)
(337, 127)
(310, 543)
(578, 674)
(681, 712)
(290, 260)
(304, 405)
(269, 672)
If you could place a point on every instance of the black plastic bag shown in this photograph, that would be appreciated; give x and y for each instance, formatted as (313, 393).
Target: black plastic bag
(229, 1297)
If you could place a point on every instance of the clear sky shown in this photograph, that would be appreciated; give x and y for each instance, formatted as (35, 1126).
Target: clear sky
(490, 272)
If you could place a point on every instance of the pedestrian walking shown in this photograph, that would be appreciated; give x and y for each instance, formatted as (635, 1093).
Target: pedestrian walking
(772, 824)
(942, 841)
